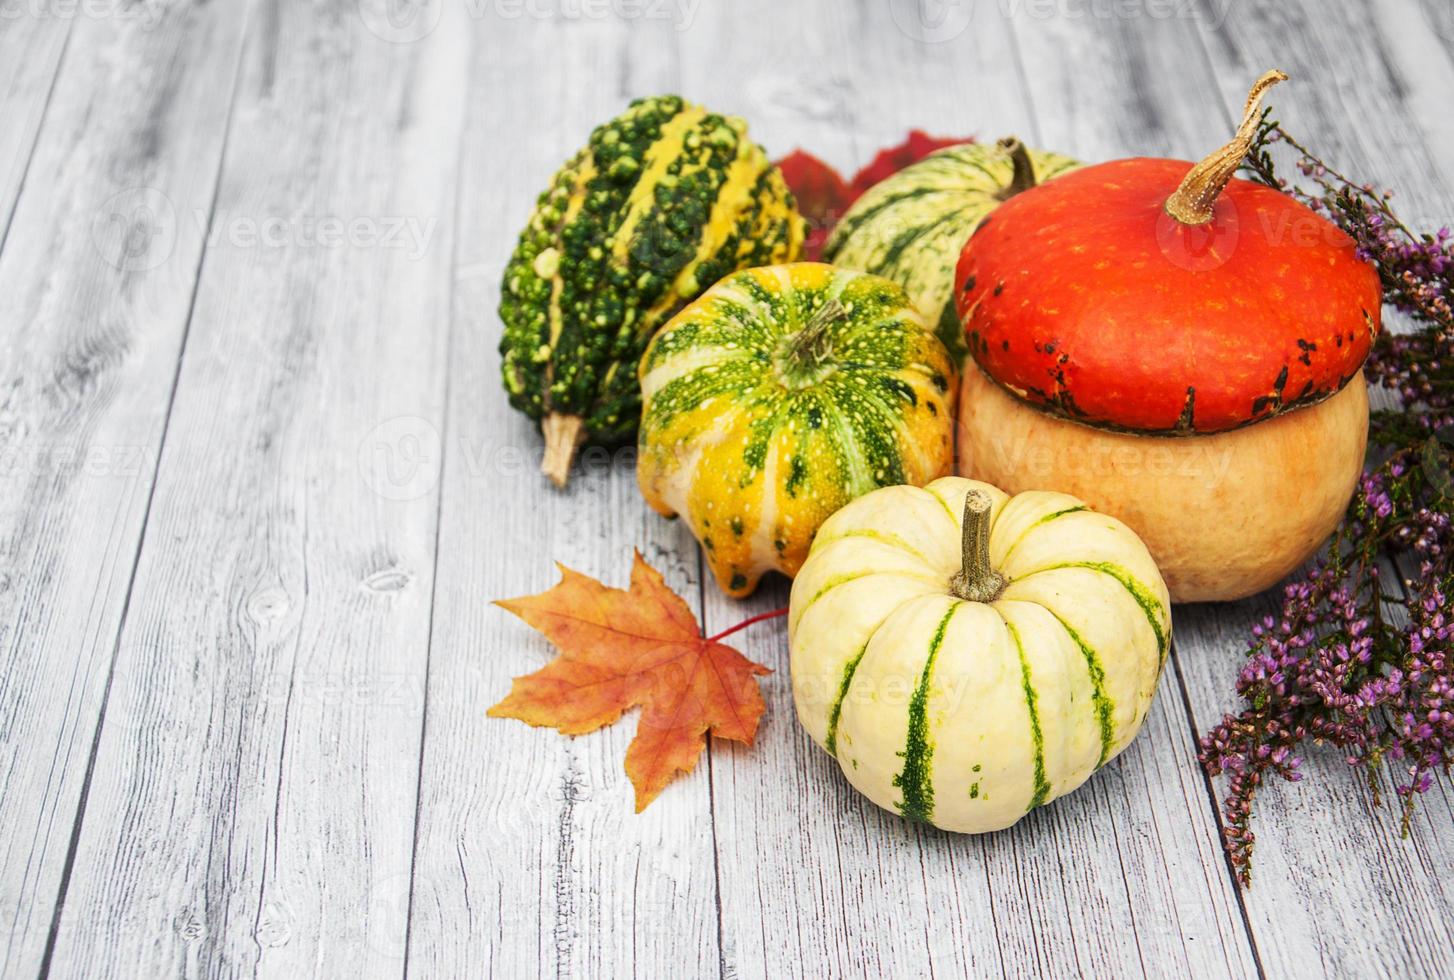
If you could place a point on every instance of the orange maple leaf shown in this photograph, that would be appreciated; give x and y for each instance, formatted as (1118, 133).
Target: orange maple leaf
(625, 649)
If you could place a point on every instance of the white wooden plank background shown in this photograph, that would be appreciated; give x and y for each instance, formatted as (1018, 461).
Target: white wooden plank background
(97, 277)
(258, 491)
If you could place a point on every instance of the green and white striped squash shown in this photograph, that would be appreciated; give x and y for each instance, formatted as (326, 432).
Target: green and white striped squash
(662, 202)
(911, 226)
(968, 656)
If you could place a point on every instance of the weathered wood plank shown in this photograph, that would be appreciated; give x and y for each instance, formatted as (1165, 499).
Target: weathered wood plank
(1362, 88)
(32, 42)
(1125, 876)
(1417, 38)
(96, 281)
(254, 795)
(1336, 891)
(530, 859)
(31, 47)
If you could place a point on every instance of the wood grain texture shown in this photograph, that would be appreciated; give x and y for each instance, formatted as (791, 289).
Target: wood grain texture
(1363, 79)
(1416, 38)
(253, 801)
(1328, 864)
(530, 861)
(96, 281)
(31, 45)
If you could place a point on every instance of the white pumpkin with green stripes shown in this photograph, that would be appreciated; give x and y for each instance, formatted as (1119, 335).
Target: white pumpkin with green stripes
(968, 656)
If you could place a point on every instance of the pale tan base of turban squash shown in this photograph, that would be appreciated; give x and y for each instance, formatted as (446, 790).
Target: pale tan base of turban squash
(1224, 515)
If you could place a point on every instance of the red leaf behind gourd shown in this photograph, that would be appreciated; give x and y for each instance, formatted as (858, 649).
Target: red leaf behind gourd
(915, 147)
(823, 195)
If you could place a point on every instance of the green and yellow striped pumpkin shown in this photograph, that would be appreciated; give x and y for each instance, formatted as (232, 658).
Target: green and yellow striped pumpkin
(912, 225)
(967, 655)
(665, 199)
(779, 396)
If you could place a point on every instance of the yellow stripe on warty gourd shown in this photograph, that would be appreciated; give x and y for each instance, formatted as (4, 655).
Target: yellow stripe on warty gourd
(733, 196)
(573, 207)
(659, 157)
(773, 213)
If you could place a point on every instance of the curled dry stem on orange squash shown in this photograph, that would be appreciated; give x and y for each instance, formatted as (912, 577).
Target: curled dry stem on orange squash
(1192, 202)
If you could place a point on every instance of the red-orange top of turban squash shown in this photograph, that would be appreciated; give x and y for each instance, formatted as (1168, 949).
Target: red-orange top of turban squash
(1165, 296)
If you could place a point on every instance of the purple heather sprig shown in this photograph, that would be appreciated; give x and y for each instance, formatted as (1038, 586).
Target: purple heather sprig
(1354, 661)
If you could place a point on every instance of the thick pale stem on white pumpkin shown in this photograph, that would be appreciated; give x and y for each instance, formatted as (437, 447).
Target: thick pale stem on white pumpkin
(1023, 176)
(563, 436)
(1191, 203)
(976, 580)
